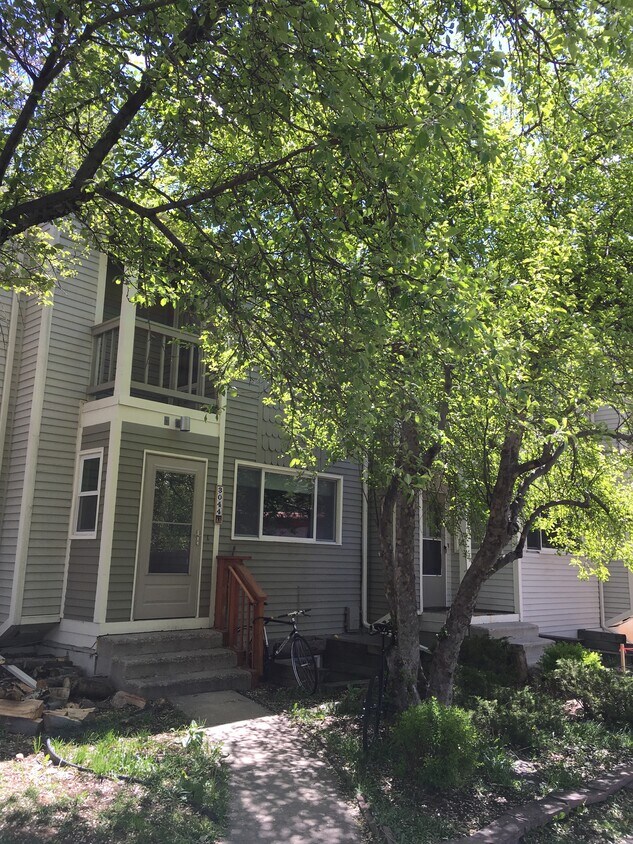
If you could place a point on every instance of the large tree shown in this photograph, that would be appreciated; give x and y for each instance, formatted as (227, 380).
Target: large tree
(329, 182)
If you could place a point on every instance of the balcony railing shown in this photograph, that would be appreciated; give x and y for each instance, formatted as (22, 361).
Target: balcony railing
(166, 364)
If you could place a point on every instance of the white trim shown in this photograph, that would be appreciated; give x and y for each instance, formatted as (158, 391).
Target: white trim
(282, 470)
(30, 470)
(217, 528)
(179, 457)
(107, 518)
(125, 348)
(517, 574)
(78, 494)
(145, 412)
(7, 383)
(101, 286)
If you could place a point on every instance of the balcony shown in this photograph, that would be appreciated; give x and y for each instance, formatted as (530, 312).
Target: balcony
(149, 360)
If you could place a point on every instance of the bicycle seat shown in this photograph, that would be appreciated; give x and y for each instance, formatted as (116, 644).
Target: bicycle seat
(385, 627)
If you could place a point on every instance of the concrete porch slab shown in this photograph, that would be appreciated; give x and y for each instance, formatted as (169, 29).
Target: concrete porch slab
(216, 708)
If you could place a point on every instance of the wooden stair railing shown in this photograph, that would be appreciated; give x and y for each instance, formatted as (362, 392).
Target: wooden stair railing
(239, 605)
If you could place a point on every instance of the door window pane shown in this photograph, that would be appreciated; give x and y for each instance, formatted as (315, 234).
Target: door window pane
(326, 510)
(432, 533)
(288, 503)
(172, 522)
(431, 556)
(247, 506)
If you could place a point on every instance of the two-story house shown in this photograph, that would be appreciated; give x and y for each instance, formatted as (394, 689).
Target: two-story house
(124, 478)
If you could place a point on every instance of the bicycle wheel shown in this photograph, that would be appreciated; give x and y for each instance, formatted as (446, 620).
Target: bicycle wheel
(303, 664)
(372, 710)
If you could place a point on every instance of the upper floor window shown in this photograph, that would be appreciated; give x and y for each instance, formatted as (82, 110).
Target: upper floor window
(88, 488)
(287, 505)
(538, 540)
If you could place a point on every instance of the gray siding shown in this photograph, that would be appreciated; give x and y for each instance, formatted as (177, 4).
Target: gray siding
(617, 595)
(497, 593)
(608, 416)
(17, 436)
(83, 560)
(555, 598)
(323, 577)
(134, 441)
(67, 376)
(7, 503)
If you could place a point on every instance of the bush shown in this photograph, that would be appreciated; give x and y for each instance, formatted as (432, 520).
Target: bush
(604, 693)
(521, 719)
(436, 746)
(496, 658)
(573, 651)
(473, 683)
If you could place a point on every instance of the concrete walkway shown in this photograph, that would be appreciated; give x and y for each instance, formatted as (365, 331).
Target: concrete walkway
(280, 791)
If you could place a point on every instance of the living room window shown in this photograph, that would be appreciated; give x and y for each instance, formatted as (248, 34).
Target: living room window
(286, 505)
(88, 488)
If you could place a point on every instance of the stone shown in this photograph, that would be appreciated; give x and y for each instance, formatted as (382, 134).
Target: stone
(121, 699)
(61, 724)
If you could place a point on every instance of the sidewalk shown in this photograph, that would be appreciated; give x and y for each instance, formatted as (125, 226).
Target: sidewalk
(280, 791)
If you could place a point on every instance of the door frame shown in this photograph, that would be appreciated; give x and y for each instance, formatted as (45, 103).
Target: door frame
(444, 552)
(148, 452)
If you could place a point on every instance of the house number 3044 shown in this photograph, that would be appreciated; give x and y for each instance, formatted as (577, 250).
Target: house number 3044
(219, 503)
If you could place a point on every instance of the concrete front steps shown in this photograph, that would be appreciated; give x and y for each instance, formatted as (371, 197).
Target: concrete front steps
(517, 633)
(162, 664)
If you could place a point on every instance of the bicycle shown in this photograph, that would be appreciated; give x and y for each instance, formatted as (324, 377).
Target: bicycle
(375, 697)
(375, 703)
(302, 659)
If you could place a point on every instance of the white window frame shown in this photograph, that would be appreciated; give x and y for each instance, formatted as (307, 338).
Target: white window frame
(78, 494)
(280, 470)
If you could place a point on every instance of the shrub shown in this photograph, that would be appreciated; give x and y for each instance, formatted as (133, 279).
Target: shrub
(436, 746)
(473, 683)
(573, 651)
(496, 658)
(604, 693)
(521, 719)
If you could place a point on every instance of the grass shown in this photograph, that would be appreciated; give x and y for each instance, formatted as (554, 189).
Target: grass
(176, 792)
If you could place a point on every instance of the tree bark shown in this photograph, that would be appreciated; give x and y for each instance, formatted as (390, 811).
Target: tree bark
(499, 530)
(399, 559)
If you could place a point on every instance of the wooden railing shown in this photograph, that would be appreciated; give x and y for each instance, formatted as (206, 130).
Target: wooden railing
(166, 366)
(239, 605)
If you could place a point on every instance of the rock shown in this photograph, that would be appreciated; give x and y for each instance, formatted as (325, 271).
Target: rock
(121, 699)
(61, 724)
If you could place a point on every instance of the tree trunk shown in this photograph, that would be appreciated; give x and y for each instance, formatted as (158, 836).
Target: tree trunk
(399, 561)
(499, 530)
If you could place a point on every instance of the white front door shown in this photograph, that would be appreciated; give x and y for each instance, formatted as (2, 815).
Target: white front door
(170, 538)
